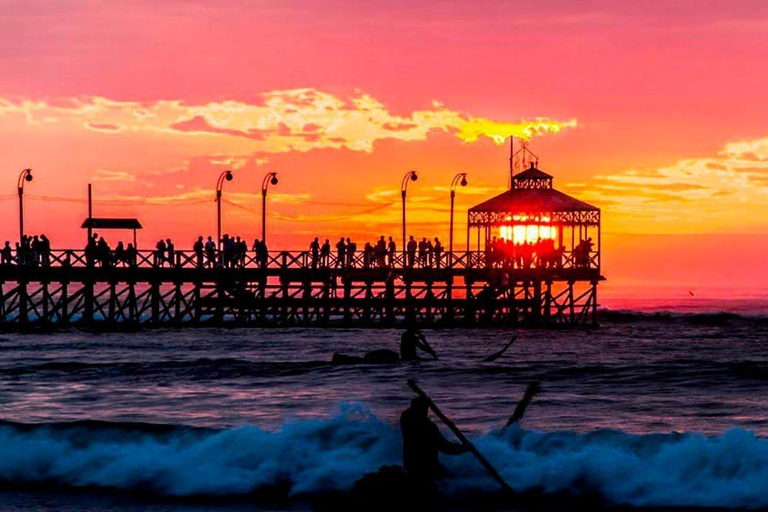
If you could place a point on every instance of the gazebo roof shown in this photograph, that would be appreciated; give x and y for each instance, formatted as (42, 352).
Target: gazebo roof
(532, 173)
(525, 200)
(532, 192)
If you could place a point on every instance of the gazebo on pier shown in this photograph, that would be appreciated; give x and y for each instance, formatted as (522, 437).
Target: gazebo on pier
(541, 238)
(532, 212)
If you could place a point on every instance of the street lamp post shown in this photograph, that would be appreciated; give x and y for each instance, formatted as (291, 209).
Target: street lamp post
(410, 176)
(459, 179)
(269, 179)
(26, 175)
(225, 176)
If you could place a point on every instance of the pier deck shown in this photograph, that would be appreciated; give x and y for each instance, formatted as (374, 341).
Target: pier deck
(293, 289)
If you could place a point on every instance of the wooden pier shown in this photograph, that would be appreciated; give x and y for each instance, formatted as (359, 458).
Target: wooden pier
(465, 289)
(536, 263)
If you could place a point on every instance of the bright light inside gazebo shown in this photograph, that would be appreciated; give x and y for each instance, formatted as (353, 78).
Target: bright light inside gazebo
(526, 233)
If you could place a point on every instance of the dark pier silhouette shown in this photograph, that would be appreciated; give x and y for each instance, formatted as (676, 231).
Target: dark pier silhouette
(536, 262)
(288, 291)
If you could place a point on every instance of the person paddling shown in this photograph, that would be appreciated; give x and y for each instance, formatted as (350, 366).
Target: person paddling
(411, 342)
(422, 444)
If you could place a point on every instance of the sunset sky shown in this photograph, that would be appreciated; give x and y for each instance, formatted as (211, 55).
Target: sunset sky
(656, 112)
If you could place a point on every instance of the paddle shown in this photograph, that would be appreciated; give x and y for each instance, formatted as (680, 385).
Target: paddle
(531, 391)
(500, 353)
(448, 423)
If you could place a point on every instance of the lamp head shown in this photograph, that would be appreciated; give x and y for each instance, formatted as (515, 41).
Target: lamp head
(27, 174)
(228, 176)
(464, 181)
(414, 176)
(274, 181)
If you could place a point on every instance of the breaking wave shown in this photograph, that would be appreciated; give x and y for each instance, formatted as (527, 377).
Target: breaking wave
(321, 455)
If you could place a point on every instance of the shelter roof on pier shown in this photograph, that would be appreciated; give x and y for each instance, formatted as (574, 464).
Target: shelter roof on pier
(533, 200)
(532, 193)
(111, 223)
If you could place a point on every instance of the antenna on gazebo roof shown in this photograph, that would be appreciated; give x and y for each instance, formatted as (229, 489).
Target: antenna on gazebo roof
(521, 159)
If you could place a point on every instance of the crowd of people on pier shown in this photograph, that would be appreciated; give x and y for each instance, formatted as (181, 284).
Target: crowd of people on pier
(231, 252)
(31, 250)
(381, 253)
(236, 252)
(503, 253)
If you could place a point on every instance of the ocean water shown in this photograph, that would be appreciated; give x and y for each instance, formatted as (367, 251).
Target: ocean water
(653, 409)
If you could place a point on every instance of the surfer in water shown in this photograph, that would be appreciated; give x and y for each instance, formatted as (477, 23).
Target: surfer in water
(413, 486)
(422, 444)
(411, 342)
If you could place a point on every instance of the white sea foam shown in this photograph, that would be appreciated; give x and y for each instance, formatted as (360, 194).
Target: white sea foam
(729, 470)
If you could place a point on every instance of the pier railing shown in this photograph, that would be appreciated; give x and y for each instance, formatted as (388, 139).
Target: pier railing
(400, 260)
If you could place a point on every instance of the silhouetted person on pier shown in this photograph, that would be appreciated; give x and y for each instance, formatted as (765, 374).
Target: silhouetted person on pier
(314, 252)
(226, 251)
(544, 251)
(170, 252)
(351, 250)
(438, 251)
(7, 253)
(90, 250)
(199, 249)
(588, 246)
(262, 253)
(160, 253)
(104, 252)
(411, 251)
(325, 253)
(130, 255)
(422, 245)
(581, 253)
(45, 251)
(341, 252)
(242, 251)
(35, 250)
(381, 252)
(210, 252)
(256, 248)
(391, 251)
(422, 444)
(368, 255)
(119, 254)
(24, 251)
(411, 342)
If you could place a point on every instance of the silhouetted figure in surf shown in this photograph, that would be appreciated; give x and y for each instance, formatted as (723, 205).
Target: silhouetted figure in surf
(414, 486)
(422, 444)
(411, 342)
